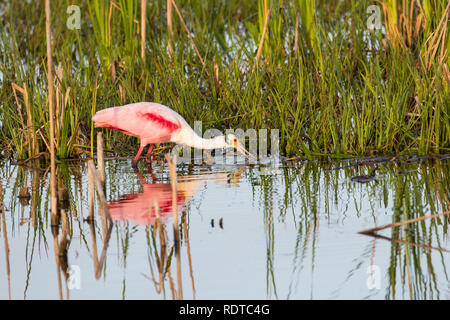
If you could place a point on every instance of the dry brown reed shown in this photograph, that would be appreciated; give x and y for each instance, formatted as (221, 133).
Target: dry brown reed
(401, 223)
(51, 112)
(176, 232)
(99, 187)
(189, 35)
(169, 27)
(263, 36)
(100, 160)
(143, 26)
(5, 239)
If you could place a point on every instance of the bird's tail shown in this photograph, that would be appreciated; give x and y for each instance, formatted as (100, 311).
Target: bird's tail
(104, 119)
(107, 118)
(102, 116)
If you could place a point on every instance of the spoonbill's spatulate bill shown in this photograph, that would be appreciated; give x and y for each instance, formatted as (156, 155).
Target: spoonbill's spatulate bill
(155, 123)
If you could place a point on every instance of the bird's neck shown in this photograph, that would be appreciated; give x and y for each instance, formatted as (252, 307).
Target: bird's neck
(213, 143)
(192, 139)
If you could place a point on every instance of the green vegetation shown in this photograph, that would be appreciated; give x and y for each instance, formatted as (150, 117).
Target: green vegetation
(331, 86)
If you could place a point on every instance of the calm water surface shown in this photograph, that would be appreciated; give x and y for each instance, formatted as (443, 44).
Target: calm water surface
(246, 232)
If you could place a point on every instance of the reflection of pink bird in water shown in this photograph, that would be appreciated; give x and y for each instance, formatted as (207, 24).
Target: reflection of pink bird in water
(154, 123)
(138, 206)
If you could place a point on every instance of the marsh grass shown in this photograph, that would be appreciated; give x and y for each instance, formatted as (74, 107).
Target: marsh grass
(331, 86)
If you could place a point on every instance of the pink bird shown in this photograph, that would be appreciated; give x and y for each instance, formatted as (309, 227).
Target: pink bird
(155, 123)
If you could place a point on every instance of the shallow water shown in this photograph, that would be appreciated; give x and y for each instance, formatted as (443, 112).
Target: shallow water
(245, 232)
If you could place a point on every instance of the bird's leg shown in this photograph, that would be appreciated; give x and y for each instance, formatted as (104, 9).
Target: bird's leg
(134, 163)
(149, 153)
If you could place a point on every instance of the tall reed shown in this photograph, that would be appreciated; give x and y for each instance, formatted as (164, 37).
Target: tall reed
(51, 112)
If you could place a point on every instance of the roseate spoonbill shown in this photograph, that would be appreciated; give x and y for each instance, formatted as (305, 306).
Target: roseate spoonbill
(155, 123)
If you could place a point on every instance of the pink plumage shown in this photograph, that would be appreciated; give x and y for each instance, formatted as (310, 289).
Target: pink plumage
(154, 123)
(150, 122)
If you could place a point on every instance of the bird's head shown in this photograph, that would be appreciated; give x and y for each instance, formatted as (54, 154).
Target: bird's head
(232, 141)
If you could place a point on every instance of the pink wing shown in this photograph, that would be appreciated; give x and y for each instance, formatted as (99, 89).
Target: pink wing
(148, 121)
